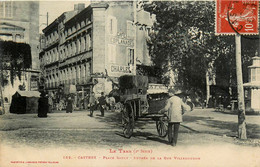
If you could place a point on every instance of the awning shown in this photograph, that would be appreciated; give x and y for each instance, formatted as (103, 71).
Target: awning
(29, 93)
(252, 85)
(157, 88)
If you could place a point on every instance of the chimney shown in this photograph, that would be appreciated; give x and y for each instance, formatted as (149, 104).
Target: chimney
(79, 7)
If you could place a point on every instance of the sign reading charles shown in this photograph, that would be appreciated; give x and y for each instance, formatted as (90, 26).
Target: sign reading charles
(239, 16)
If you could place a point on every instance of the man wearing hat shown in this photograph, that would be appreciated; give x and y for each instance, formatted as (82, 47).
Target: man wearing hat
(175, 108)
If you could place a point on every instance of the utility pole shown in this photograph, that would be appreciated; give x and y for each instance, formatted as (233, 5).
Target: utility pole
(240, 91)
(207, 89)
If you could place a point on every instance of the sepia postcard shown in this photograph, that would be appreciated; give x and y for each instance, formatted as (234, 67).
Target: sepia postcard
(129, 83)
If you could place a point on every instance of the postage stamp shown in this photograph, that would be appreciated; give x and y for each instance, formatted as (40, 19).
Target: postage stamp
(240, 16)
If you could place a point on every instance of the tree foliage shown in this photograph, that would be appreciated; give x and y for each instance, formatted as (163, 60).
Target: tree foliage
(14, 58)
(184, 41)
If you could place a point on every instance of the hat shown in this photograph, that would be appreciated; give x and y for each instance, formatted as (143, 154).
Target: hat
(178, 92)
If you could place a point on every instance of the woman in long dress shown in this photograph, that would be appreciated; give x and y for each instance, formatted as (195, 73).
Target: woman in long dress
(69, 107)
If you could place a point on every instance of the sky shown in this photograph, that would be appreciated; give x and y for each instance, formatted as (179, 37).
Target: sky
(55, 9)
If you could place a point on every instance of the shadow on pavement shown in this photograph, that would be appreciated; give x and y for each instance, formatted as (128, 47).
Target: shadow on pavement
(157, 139)
(114, 120)
(145, 136)
(193, 130)
(253, 130)
(119, 134)
(215, 127)
(188, 118)
(150, 136)
(225, 112)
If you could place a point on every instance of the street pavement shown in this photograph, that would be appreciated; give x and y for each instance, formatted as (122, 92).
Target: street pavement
(206, 138)
(204, 126)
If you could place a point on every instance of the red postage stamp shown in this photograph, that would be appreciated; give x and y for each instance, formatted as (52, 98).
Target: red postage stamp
(237, 16)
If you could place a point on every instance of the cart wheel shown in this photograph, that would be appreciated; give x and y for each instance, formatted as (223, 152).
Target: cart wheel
(161, 127)
(128, 120)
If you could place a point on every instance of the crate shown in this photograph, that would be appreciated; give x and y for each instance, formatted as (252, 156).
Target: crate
(155, 105)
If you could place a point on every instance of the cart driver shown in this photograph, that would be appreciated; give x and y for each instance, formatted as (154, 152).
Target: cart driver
(175, 108)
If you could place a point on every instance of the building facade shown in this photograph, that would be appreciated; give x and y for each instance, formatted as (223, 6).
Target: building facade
(252, 88)
(95, 45)
(19, 22)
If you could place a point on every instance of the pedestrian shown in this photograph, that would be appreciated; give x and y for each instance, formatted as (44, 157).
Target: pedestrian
(175, 108)
(43, 105)
(111, 103)
(86, 100)
(102, 104)
(189, 102)
(69, 107)
(92, 103)
(50, 103)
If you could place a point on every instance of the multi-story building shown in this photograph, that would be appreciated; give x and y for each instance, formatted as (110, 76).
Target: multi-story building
(104, 39)
(19, 22)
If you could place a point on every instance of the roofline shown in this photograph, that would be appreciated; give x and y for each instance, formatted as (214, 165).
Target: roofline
(56, 21)
(87, 9)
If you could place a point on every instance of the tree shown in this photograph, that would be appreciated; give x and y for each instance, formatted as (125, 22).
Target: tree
(184, 41)
(15, 57)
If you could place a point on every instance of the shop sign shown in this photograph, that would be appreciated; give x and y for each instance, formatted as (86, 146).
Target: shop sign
(120, 69)
(121, 39)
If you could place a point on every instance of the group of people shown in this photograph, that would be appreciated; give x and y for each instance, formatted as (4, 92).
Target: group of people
(175, 107)
(46, 104)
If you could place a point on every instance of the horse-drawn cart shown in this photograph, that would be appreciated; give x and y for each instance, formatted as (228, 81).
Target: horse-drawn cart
(138, 104)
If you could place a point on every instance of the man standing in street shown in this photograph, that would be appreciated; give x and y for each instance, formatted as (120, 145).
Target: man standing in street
(92, 103)
(102, 103)
(175, 108)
